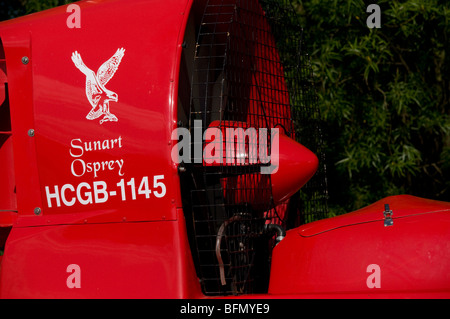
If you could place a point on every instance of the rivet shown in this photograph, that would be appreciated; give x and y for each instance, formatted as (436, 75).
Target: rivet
(25, 60)
(37, 211)
(31, 132)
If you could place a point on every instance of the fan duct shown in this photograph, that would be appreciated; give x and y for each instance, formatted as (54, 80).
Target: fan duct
(244, 78)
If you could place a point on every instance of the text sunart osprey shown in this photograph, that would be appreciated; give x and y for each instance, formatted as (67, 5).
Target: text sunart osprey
(96, 93)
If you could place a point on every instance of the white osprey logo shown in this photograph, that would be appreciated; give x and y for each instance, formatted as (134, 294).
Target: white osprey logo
(96, 93)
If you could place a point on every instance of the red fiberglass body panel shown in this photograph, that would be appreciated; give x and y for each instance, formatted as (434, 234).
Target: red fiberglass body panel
(92, 111)
(134, 63)
(356, 255)
(112, 260)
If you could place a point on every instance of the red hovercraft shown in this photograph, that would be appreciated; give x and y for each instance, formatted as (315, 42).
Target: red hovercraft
(150, 149)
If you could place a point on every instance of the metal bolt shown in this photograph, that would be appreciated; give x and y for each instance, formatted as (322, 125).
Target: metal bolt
(31, 132)
(25, 60)
(37, 211)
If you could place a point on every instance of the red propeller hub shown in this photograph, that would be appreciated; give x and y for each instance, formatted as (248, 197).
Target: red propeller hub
(296, 165)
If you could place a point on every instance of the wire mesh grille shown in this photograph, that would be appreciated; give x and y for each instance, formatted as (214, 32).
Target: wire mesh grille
(248, 77)
(311, 202)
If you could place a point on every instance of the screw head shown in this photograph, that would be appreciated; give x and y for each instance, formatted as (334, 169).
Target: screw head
(37, 211)
(30, 132)
(25, 60)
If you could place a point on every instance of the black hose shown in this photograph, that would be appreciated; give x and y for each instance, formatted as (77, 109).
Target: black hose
(281, 233)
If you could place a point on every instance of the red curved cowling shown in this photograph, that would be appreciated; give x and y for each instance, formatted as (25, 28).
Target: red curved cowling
(358, 256)
(102, 196)
(96, 211)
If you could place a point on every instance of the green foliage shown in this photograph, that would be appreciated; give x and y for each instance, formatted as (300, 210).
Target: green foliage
(39, 5)
(14, 8)
(384, 94)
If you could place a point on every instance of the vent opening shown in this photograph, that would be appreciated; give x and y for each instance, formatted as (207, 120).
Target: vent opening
(8, 202)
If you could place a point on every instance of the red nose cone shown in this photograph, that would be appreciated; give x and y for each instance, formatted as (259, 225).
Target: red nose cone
(296, 165)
